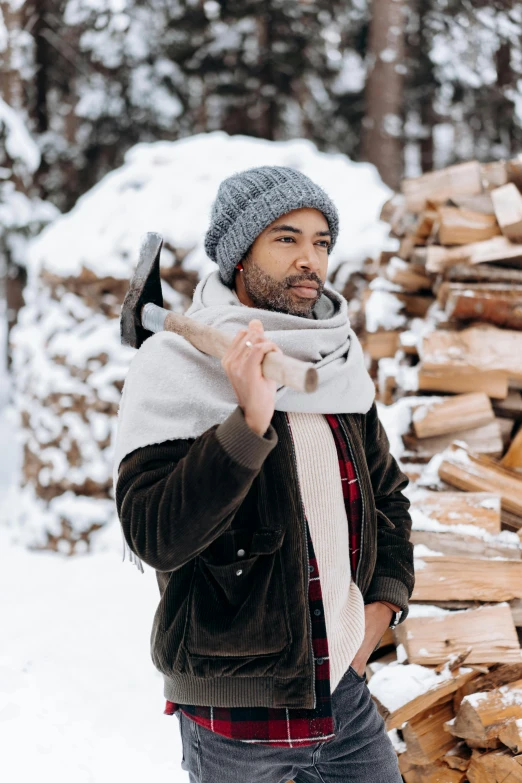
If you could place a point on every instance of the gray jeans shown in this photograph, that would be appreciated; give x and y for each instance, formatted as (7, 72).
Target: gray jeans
(360, 752)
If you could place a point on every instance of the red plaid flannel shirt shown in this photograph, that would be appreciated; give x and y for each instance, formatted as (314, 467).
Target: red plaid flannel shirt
(295, 727)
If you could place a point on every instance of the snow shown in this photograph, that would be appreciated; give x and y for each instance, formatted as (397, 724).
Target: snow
(169, 187)
(19, 144)
(422, 520)
(396, 684)
(382, 311)
(77, 685)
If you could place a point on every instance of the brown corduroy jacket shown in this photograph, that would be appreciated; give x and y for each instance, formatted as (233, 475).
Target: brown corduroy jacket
(232, 639)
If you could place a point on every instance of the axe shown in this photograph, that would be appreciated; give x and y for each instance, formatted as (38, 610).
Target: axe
(143, 313)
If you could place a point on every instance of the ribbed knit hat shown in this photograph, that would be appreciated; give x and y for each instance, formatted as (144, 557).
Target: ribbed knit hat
(247, 202)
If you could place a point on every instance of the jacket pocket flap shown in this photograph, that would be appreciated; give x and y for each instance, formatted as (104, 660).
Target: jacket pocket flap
(266, 541)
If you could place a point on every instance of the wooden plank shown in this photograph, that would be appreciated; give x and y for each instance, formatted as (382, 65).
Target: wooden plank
(447, 578)
(495, 249)
(461, 508)
(425, 738)
(451, 414)
(464, 226)
(489, 631)
(462, 179)
(507, 203)
(465, 470)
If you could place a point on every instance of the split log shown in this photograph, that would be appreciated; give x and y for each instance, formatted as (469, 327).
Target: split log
(507, 203)
(425, 738)
(495, 249)
(451, 414)
(461, 508)
(458, 380)
(381, 344)
(411, 277)
(511, 734)
(430, 773)
(481, 440)
(459, 757)
(481, 716)
(511, 407)
(483, 273)
(415, 305)
(496, 767)
(498, 675)
(424, 701)
(464, 226)
(489, 631)
(480, 203)
(464, 179)
(447, 288)
(447, 578)
(468, 546)
(512, 460)
(482, 347)
(494, 174)
(467, 471)
(502, 309)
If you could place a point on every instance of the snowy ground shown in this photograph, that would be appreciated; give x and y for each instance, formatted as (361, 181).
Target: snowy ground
(80, 700)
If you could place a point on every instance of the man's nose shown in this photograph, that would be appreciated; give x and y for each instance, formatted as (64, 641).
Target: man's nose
(308, 259)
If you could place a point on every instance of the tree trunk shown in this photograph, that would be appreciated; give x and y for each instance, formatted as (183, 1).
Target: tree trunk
(382, 125)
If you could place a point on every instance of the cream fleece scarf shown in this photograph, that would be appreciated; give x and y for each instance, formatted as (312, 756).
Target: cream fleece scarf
(173, 391)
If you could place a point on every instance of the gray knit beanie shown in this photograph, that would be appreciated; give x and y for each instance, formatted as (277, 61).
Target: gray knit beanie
(247, 202)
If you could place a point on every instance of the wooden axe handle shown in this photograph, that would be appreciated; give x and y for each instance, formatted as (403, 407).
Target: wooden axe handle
(285, 370)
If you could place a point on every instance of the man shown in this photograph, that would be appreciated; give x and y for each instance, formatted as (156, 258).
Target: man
(275, 519)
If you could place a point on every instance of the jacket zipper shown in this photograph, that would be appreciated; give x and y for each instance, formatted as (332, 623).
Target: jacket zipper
(348, 440)
(305, 537)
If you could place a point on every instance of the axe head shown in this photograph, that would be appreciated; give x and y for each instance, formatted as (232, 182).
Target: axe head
(145, 287)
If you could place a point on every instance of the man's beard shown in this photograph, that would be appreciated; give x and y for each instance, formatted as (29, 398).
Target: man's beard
(270, 294)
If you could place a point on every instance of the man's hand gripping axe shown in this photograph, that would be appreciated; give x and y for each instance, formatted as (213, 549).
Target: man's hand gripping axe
(143, 314)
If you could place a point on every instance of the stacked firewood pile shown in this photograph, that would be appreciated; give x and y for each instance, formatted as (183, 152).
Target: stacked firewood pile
(441, 320)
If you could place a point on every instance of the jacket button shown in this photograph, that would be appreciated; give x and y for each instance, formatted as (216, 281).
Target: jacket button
(320, 661)
(317, 612)
(310, 568)
(240, 552)
(239, 572)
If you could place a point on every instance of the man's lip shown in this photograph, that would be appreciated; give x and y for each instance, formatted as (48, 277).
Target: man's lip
(305, 285)
(305, 291)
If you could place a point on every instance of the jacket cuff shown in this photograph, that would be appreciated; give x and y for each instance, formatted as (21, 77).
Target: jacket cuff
(384, 588)
(242, 444)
